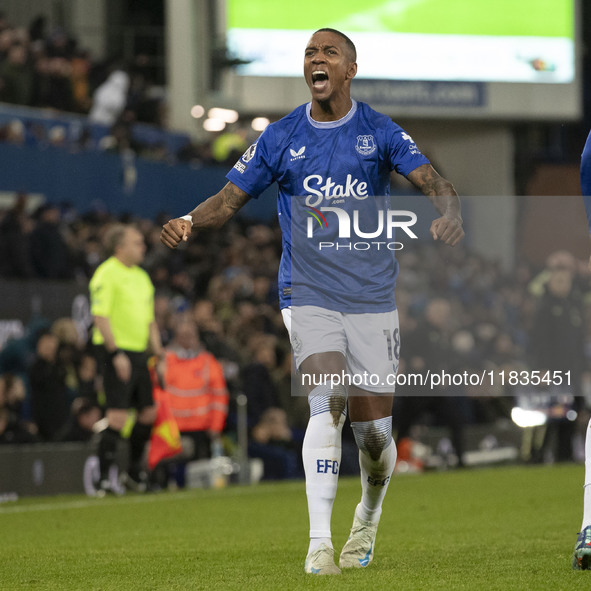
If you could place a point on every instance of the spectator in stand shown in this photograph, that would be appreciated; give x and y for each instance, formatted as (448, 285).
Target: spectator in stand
(59, 44)
(557, 343)
(271, 438)
(59, 90)
(163, 316)
(17, 355)
(110, 98)
(37, 28)
(15, 232)
(272, 441)
(3, 21)
(13, 132)
(47, 380)
(257, 381)
(84, 414)
(120, 140)
(80, 69)
(16, 77)
(69, 353)
(196, 155)
(49, 252)
(87, 378)
(57, 136)
(41, 81)
(13, 429)
(195, 390)
(12, 392)
(7, 38)
(428, 349)
(211, 330)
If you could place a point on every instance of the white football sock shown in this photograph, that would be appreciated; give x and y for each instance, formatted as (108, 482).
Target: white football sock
(587, 486)
(377, 458)
(317, 542)
(321, 454)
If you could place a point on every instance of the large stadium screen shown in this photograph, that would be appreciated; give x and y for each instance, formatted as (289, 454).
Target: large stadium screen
(429, 58)
(530, 41)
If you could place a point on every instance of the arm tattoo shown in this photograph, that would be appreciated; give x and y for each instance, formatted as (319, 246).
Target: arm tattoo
(218, 209)
(430, 183)
(233, 198)
(438, 190)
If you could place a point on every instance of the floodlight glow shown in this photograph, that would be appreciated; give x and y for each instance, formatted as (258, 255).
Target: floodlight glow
(214, 124)
(197, 111)
(227, 115)
(528, 418)
(259, 123)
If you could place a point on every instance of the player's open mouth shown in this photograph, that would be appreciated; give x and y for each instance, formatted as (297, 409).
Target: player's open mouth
(319, 79)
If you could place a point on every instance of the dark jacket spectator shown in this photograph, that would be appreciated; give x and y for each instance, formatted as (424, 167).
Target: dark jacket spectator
(48, 249)
(558, 335)
(15, 231)
(79, 426)
(16, 77)
(12, 431)
(48, 389)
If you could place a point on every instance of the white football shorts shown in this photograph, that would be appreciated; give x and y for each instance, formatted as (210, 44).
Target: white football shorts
(369, 342)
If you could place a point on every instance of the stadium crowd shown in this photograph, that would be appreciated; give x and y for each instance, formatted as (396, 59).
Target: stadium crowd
(459, 311)
(50, 70)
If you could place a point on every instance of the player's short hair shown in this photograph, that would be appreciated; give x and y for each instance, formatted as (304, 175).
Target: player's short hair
(114, 237)
(350, 45)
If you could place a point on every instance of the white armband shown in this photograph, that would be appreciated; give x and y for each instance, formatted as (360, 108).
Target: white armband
(187, 217)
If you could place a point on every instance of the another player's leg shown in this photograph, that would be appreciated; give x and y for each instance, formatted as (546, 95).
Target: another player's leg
(322, 457)
(107, 449)
(582, 552)
(377, 458)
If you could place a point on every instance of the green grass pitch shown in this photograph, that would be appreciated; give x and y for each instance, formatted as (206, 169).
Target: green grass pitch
(504, 528)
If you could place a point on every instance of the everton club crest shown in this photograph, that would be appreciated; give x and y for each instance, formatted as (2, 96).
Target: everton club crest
(366, 144)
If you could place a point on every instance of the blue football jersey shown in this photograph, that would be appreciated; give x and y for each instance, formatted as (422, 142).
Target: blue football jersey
(333, 204)
(586, 178)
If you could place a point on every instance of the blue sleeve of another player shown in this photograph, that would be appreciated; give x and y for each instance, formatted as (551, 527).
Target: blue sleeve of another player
(586, 178)
(403, 152)
(255, 170)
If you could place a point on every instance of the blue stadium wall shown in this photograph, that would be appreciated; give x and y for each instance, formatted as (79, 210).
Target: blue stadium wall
(95, 180)
(91, 180)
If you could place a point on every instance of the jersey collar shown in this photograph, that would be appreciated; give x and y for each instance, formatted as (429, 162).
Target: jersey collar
(331, 124)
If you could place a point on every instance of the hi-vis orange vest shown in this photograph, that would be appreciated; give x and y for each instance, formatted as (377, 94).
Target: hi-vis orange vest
(196, 392)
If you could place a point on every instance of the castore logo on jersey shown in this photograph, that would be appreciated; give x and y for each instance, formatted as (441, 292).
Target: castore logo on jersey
(297, 155)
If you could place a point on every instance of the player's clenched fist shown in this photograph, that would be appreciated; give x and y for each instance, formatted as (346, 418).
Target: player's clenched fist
(448, 230)
(175, 231)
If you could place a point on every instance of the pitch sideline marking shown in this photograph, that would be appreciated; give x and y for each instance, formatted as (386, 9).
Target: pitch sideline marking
(113, 502)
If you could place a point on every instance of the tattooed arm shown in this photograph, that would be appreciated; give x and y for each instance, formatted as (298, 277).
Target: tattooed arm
(212, 213)
(443, 196)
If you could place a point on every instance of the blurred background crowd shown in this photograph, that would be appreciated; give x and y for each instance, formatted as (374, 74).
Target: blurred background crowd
(49, 69)
(459, 311)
